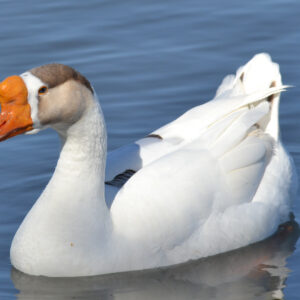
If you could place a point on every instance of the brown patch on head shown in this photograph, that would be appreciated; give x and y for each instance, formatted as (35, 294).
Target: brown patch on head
(63, 104)
(56, 74)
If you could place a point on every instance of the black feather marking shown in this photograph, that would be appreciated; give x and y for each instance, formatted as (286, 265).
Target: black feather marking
(156, 136)
(120, 179)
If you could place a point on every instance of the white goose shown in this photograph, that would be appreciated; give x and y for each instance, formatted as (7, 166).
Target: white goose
(215, 179)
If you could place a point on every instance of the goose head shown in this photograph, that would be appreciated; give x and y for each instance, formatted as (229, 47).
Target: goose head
(52, 95)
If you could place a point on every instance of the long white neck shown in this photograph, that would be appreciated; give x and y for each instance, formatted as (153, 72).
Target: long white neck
(71, 212)
(82, 158)
(79, 175)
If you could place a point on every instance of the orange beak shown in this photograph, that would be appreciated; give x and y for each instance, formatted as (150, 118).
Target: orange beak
(15, 117)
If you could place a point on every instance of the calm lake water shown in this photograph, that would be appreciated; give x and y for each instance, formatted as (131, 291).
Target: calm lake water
(149, 61)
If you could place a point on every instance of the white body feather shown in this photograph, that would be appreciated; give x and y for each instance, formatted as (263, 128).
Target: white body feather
(219, 179)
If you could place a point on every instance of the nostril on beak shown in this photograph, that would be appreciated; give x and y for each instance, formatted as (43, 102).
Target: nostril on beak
(2, 123)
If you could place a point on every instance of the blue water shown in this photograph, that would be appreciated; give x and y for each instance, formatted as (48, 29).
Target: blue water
(149, 61)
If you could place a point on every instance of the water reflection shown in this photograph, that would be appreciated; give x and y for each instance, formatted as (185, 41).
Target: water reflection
(255, 271)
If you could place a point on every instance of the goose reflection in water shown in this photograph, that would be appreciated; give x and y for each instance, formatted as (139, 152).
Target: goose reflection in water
(257, 271)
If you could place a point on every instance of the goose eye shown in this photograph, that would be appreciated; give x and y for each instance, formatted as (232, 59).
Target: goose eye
(43, 90)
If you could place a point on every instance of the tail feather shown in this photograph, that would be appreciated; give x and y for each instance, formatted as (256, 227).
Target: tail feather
(258, 74)
(258, 81)
(239, 129)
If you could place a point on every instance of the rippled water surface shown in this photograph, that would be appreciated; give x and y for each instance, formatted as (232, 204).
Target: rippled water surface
(149, 61)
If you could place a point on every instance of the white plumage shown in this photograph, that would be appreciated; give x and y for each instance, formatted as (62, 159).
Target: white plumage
(215, 179)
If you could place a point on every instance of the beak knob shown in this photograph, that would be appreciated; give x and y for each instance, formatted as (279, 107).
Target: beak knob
(15, 117)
